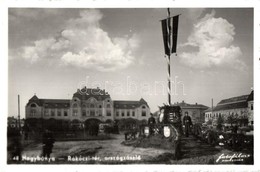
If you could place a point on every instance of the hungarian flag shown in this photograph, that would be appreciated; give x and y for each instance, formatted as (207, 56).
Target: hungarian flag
(170, 31)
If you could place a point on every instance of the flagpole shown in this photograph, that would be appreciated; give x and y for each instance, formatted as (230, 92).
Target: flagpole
(169, 64)
(19, 121)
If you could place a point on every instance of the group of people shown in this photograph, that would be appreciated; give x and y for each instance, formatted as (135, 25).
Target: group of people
(187, 124)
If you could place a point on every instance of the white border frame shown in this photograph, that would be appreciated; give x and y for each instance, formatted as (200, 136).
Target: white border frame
(5, 4)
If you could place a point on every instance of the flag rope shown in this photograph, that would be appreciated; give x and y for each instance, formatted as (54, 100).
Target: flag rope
(169, 58)
(169, 79)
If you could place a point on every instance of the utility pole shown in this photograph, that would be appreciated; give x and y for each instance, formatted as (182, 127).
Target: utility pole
(19, 123)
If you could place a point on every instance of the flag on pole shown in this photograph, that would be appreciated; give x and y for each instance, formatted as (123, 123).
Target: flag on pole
(170, 31)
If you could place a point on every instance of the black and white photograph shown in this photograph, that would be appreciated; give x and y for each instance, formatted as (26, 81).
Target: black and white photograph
(130, 86)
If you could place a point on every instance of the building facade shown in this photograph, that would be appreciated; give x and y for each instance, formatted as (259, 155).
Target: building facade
(238, 107)
(87, 103)
(13, 122)
(195, 111)
(208, 114)
(250, 102)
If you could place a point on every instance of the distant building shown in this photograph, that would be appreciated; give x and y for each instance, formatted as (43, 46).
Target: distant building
(131, 109)
(238, 107)
(250, 102)
(208, 114)
(195, 111)
(87, 103)
(13, 122)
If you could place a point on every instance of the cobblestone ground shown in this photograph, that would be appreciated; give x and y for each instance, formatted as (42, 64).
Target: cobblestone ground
(113, 152)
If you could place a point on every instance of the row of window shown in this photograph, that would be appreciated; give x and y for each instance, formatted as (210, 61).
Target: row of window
(65, 113)
(59, 113)
(214, 115)
(90, 106)
(128, 114)
(219, 114)
(85, 113)
(52, 113)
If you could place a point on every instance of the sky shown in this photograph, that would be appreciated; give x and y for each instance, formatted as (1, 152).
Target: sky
(53, 52)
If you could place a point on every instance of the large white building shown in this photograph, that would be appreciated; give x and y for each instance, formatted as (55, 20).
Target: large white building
(87, 103)
(238, 107)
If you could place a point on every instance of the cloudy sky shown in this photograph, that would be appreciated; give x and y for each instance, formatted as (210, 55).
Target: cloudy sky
(52, 52)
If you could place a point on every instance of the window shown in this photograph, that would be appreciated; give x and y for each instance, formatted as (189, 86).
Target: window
(92, 113)
(59, 113)
(84, 113)
(109, 113)
(143, 113)
(123, 114)
(52, 113)
(108, 105)
(133, 113)
(65, 113)
(33, 112)
(75, 105)
(84, 106)
(75, 112)
(46, 112)
(33, 105)
(117, 113)
(128, 113)
(100, 106)
(92, 106)
(252, 107)
(143, 107)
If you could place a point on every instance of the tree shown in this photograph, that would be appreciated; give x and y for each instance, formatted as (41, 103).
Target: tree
(243, 120)
(231, 119)
(220, 122)
(209, 122)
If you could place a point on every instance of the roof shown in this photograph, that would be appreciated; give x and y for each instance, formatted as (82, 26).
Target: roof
(86, 93)
(251, 96)
(237, 105)
(209, 109)
(50, 103)
(56, 103)
(233, 103)
(234, 100)
(187, 105)
(127, 104)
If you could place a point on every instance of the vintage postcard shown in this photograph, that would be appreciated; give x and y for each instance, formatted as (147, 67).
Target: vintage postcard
(131, 86)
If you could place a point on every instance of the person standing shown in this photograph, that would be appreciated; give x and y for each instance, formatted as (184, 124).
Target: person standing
(48, 141)
(151, 122)
(187, 123)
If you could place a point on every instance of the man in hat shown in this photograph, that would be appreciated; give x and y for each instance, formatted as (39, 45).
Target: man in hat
(187, 124)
